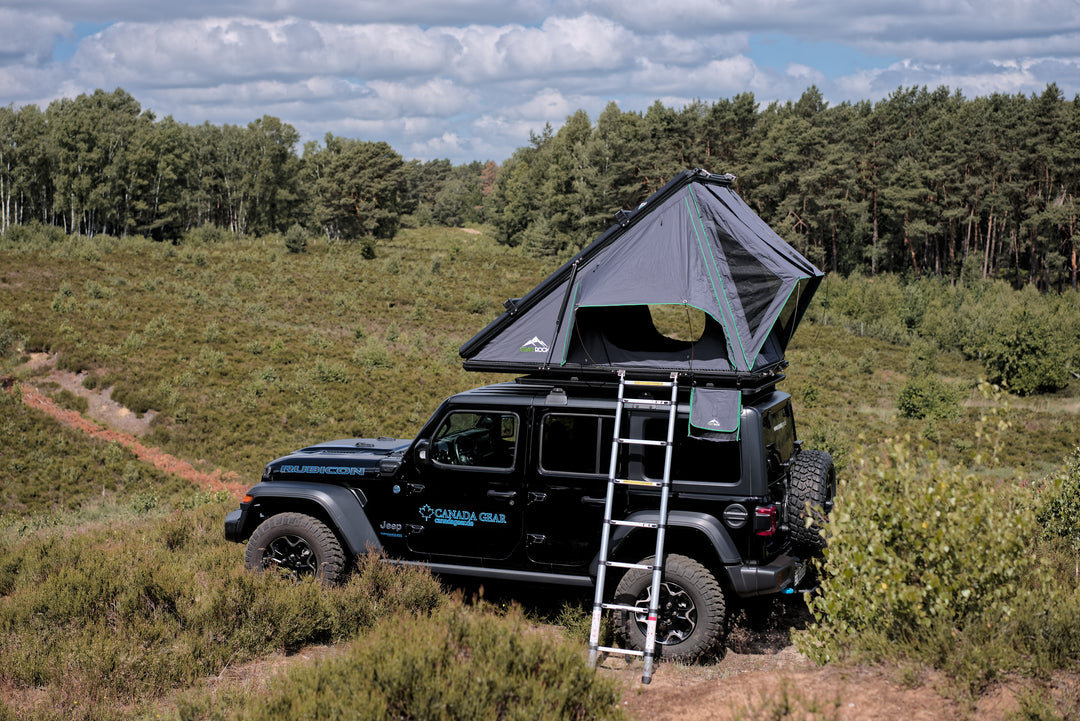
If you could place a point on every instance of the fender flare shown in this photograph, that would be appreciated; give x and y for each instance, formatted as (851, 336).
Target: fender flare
(342, 508)
(709, 526)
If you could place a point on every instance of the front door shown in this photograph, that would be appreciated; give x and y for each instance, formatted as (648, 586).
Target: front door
(469, 498)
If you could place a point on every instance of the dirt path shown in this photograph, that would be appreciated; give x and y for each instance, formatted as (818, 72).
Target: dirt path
(122, 426)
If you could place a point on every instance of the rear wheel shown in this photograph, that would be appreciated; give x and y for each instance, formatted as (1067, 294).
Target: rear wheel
(813, 482)
(298, 546)
(692, 612)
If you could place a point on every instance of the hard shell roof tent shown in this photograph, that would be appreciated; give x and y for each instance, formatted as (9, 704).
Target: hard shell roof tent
(692, 243)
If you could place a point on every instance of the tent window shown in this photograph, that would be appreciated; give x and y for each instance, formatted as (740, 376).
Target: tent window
(756, 285)
(678, 322)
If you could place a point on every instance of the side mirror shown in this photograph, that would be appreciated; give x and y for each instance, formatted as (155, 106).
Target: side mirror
(422, 451)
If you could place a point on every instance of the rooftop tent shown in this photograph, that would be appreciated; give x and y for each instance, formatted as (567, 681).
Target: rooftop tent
(692, 243)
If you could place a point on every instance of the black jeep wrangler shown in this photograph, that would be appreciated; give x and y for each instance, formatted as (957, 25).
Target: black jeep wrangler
(508, 481)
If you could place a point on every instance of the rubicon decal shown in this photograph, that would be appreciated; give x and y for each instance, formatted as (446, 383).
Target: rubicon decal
(460, 517)
(325, 470)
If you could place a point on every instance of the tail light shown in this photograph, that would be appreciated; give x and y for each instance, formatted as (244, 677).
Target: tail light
(765, 520)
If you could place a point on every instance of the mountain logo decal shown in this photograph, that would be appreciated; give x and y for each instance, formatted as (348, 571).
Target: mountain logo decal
(535, 345)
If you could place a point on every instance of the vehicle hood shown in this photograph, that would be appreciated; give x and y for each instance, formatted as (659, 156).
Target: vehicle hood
(336, 460)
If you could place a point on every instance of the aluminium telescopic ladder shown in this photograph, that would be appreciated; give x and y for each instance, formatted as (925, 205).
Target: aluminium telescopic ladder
(657, 566)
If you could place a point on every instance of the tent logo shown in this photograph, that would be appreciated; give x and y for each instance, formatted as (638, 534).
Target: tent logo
(535, 346)
(713, 423)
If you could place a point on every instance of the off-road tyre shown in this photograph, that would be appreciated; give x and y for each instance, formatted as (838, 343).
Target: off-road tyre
(297, 546)
(813, 481)
(692, 621)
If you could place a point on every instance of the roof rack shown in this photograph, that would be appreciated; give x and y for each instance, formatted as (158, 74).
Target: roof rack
(748, 383)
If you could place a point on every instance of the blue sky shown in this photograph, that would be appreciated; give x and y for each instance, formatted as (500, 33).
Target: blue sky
(469, 79)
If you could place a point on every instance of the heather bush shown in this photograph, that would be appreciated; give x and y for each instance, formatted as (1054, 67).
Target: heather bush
(9, 337)
(128, 610)
(454, 664)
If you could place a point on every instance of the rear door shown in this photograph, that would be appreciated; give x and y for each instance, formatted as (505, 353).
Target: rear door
(568, 487)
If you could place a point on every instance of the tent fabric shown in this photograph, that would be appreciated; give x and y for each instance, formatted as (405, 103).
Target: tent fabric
(715, 413)
(693, 243)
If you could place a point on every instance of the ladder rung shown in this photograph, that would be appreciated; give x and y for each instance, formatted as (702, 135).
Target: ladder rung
(623, 607)
(645, 402)
(623, 564)
(624, 651)
(655, 384)
(641, 441)
(637, 482)
(634, 524)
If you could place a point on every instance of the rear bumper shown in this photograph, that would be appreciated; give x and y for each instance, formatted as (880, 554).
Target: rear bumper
(782, 573)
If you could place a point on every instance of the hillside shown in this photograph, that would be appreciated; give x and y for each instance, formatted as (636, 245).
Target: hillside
(115, 583)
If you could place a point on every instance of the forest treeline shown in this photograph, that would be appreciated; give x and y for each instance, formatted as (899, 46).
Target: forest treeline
(922, 182)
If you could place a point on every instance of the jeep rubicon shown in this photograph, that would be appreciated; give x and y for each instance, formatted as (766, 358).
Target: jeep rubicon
(508, 481)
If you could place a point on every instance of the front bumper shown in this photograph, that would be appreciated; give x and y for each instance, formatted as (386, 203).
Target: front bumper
(234, 525)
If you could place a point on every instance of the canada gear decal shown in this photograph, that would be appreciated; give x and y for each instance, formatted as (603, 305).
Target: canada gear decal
(459, 517)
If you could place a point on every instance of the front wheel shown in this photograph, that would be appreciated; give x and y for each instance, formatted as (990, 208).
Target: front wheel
(298, 546)
(692, 614)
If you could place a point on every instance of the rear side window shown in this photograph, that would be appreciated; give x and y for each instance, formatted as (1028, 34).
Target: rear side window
(692, 459)
(576, 444)
(779, 431)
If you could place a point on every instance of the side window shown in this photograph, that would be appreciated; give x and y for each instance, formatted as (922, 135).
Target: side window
(476, 439)
(692, 459)
(576, 444)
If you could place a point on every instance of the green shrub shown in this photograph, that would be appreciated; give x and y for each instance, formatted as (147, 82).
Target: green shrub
(928, 397)
(296, 239)
(331, 372)
(456, 664)
(66, 399)
(922, 358)
(1057, 501)
(920, 554)
(1027, 353)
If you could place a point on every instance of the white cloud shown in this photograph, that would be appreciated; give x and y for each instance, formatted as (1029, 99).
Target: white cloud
(469, 79)
(30, 37)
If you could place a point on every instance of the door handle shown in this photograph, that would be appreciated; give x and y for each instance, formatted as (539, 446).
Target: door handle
(502, 495)
(416, 488)
(590, 501)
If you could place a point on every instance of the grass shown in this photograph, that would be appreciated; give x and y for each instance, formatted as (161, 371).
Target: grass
(247, 350)
(116, 585)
